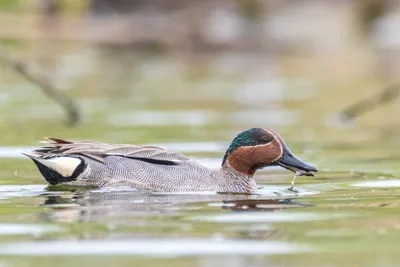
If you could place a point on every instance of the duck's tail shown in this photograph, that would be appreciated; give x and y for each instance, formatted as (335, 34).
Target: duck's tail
(57, 168)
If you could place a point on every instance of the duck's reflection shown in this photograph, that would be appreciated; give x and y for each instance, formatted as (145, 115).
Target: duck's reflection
(261, 204)
(93, 206)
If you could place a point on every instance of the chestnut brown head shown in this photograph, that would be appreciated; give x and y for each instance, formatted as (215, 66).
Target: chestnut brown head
(257, 148)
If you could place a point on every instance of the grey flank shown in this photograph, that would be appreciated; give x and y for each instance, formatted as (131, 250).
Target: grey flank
(144, 167)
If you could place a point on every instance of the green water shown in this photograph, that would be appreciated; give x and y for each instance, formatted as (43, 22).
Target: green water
(345, 216)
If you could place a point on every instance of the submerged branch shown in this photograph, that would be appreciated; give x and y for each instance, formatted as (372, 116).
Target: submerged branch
(73, 115)
(357, 109)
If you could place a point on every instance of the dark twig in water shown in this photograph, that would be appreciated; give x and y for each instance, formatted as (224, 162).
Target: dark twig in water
(47, 88)
(365, 105)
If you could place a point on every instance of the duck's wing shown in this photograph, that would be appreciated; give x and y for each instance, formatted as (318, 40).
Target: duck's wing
(99, 151)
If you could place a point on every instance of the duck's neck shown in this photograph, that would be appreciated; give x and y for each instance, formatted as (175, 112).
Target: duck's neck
(231, 180)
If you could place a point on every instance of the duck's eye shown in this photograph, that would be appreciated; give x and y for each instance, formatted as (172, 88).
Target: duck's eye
(265, 140)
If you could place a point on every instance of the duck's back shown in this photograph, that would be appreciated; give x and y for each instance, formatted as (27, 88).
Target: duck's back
(100, 164)
(185, 175)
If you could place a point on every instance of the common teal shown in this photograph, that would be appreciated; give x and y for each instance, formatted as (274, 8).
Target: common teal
(153, 168)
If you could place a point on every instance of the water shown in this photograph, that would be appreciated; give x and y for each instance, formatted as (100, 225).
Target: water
(345, 216)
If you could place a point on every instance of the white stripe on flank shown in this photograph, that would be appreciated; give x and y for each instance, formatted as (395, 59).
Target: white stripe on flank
(63, 165)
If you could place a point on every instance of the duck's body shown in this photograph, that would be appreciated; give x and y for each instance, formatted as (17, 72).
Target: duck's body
(156, 169)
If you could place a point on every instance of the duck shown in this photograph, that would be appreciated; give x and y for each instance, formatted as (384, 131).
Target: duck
(152, 168)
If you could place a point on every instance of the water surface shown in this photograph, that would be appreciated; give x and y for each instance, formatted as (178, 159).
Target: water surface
(345, 216)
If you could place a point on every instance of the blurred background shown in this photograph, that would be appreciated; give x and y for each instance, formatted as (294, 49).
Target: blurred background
(138, 71)
(189, 75)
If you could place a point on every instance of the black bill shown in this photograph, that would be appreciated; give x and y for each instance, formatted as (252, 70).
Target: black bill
(290, 162)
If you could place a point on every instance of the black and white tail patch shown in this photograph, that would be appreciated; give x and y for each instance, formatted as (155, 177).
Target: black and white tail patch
(59, 169)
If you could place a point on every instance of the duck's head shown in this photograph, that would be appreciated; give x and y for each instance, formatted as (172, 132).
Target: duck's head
(258, 148)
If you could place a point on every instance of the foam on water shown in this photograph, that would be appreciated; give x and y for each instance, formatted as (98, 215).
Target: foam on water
(378, 184)
(27, 229)
(8, 191)
(262, 191)
(266, 217)
(110, 189)
(153, 247)
(283, 190)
